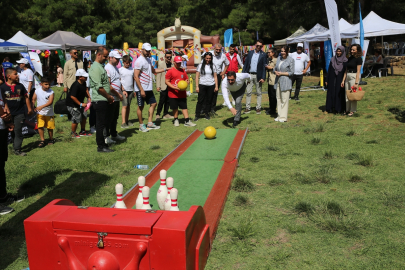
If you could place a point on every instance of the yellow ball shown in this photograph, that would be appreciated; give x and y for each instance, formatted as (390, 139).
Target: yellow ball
(182, 85)
(210, 132)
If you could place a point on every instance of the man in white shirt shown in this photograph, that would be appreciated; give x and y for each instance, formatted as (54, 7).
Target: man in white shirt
(221, 64)
(127, 86)
(300, 59)
(144, 86)
(235, 83)
(115, 90)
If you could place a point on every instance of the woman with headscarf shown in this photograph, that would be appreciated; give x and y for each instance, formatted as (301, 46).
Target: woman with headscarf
(335, 97)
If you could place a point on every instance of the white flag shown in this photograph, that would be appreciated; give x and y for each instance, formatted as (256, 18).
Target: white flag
(333, 21)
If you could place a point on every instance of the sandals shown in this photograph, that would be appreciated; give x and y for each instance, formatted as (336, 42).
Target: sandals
(50, 142)
(41, 144)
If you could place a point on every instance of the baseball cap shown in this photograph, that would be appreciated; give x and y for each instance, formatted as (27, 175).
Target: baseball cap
(115, 54)
(185, 57)
(82, 73)
(177, 59)
(300, 45)
(22, 61)
(147, 46)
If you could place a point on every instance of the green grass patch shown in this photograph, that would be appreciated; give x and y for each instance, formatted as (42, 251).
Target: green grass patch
(242, 185)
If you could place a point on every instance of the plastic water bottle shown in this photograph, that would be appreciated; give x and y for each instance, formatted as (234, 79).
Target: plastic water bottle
(142, 167)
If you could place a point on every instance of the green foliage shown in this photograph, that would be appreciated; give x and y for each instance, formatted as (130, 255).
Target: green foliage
(241, 184)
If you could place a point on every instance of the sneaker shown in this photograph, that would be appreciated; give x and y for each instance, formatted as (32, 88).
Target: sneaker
(19, 153)
(207, 117)
(224, 104)
(176, 123)
(108, 140)
(104, 150)
(282, 121)
(82, 133)
(247, 111)
(143, 128)
(130, 124)
(5, 210)
(153, 126)
(168, 116)
(276, 119)
(92, 130)
(258, 111)
(196, 119)
(118, 138)
(88, 133)
(9, 199)
(189, 124)
(75, 135)
(124, 126)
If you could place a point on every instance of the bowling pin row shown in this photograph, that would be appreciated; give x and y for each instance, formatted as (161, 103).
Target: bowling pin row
(166, 195)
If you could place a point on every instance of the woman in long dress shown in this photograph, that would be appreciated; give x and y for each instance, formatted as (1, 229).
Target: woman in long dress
(59, 79)
(335, 96)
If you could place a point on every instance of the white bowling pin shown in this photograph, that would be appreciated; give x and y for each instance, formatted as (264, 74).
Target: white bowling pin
(139, 200)
(162, 192)
(145, 195)
(169, 184)
(119, 203)
(173, 196)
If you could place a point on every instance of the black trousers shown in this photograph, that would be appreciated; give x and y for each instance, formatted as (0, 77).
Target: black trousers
(101, 108)
(3, 159)
(297, 79)
(17, 135)
(272, 99)
(92, 117)
(215, 94)
(204, 98)
(163, 102)
(113, 112)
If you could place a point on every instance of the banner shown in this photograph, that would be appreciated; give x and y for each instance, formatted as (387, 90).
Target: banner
(36, 62)
(333, 22)
(361, 35)
(27, 56)
(306, 51)
(328, 53)
(61, 58)
(228, 37)
(87, 54)
(364, 48)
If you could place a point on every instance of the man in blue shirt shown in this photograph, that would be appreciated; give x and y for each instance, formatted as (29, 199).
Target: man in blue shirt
(255, 64)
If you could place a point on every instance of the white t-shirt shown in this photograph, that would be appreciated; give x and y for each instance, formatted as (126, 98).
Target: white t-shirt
(300, 60)
(42, 99)
(2, 124)
(208, 78)
(241, 78)
(114, 75)
(145, 76)
(220, 61)
(127, 78)
(27, 76)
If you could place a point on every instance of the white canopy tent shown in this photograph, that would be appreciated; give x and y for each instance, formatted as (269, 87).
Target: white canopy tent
(343, 25)
(1, 40)
(32, 44)
(299, 32)
(316, 30)
(374, 26)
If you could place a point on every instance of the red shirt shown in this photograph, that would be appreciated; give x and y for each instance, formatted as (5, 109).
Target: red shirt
(174, 76)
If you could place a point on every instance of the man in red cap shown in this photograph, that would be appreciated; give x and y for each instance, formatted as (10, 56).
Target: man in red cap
(178, 98)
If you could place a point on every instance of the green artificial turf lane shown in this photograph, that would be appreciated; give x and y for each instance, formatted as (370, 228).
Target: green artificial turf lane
(197, 169)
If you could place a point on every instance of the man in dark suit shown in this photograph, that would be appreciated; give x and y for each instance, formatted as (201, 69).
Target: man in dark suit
(255, 65)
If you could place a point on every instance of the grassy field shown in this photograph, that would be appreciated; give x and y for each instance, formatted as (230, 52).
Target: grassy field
(321, 191)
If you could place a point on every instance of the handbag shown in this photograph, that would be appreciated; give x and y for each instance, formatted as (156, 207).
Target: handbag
(60, 105)
(354, 96)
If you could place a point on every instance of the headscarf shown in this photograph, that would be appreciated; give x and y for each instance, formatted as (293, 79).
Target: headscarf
(337, 62)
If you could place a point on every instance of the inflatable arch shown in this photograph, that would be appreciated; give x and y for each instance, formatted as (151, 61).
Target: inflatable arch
(178, 32)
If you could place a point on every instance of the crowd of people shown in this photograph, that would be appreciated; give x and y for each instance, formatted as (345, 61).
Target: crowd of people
(105, 87)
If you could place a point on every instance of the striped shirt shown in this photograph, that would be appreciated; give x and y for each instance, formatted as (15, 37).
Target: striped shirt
(114, 75)
(145, 76)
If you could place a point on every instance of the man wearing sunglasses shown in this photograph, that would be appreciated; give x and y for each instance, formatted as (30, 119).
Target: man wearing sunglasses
(255, 65)
(69, 71)
(161, 87)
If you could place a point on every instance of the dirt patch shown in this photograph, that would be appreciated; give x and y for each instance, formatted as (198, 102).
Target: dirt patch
(356, 246)
(284, 211)
(281, 237)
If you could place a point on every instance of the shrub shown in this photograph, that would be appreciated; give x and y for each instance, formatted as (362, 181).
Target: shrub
(244, 230)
